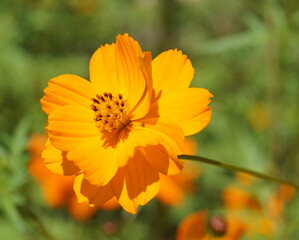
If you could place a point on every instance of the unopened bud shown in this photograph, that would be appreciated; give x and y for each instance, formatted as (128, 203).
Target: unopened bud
(218, 225)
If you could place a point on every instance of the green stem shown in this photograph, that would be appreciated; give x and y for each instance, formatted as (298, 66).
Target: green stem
(237, 169)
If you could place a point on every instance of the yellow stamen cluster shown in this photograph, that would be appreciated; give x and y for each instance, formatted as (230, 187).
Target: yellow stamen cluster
(109, 111)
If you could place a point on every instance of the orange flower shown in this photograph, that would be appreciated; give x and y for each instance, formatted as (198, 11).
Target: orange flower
(276, 203)
(195, 227)
(240, 203)
(237, 198)
(58, 190)
(173, 189)
(117, 132)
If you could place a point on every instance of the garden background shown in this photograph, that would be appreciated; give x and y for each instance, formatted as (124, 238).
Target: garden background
(244, 52)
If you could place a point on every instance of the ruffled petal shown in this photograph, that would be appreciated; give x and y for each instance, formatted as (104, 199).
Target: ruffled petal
(144, 104)
(188, 108)
(88, 193)
(57, 162)
(136, 183)
(67, 90)
(172, 71)
(131, 80)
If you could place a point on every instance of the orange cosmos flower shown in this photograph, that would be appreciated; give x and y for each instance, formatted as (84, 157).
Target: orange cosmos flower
(117, 132)
(196, 227)
(58, 190)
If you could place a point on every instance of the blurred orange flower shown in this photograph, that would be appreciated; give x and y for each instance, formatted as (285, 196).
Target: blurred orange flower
(263, 220)
(58, 190)
(119, 131)
(236, 198)
(197, 226)
(276, 203)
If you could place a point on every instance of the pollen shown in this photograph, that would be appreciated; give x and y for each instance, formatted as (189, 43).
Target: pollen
(110, 112)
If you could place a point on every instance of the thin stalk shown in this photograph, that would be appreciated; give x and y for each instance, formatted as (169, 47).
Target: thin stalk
(237, 169)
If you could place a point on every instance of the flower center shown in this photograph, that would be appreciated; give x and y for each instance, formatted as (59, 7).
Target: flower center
(110, 111)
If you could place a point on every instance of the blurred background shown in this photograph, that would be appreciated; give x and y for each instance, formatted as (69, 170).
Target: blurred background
(244, 52)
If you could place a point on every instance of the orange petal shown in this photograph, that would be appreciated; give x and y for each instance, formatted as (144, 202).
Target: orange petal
(131, 80)
(192, 227)
(67, 90)
(170, 134)
(80, 211)
(235, 229)
(111, 204)
(150, 133)
(171, 192)
(57, 189)
(172, 71)
(130, 140)
(160, 158)
(102, 68)
(124, 68)
(70, 126)
(188, 108)
(144, 104)
(57, 162)
(98, 163)
(88, 193)
(136, 183)
(72, 129)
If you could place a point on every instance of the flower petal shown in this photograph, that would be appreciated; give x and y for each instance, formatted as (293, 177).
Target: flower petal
(149, 132)
(57, 162)
(72, 129)
(80, 211)
(193, 226)
(130, 140)
(132, 82)
(102, 68)
(159, 157)
(136, 183)
(123, 68)
(144, 104)
(98, 163)
(70, 126)
(67, 90)
(171, 135)
(172, 191)
(188, 108)
(88, 193)
(172, 71)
